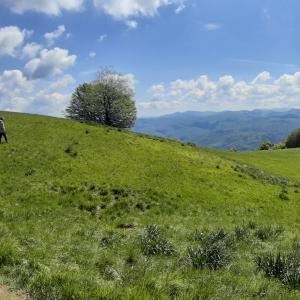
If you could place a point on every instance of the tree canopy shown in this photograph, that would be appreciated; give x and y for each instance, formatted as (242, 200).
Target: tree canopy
(293, 140)
(108, 100)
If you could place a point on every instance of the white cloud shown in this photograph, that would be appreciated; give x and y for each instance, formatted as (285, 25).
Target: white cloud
(125, 9)
(50, 103)
(11, 38)
(262, 77)
(13, 87)
(14, 81)
(17, 93)
(180, 8)
(132, 24)
(31, 50)
(224, 93)
(102, 38)
(157, 90)
(92, 54)
(50, 62)
(62, 82)
(49, 7)
(54, 35)
(211, 26)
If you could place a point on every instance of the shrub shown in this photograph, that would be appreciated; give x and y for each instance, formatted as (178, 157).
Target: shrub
(293, 140)
(71, 151)
(242, 232)
(214, 252)
(266, 146)
(286, 268)
(284, 195)
(211, 237)
(271, 146)
(281, 145)
(251, 225)
(267, 232)
(29, 172)
(110, 239)
(154, 243)
(212, 256)
(8, 254)
(191, 144)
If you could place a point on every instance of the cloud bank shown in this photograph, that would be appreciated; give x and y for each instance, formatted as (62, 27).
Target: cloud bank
(49, 7)
(122, 10)
(224, 93)
(50, 62)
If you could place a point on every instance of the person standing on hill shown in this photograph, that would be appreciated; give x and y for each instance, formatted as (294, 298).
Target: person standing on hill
(3, 130)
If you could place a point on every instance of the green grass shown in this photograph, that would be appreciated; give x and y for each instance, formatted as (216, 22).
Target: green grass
(280, 162)
(76, 201)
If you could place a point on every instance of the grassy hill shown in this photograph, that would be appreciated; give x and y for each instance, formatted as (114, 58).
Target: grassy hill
(76, 202)
(282, 162)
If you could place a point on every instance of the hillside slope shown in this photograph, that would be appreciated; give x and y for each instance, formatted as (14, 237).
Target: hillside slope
(281, 162)
(75, 199)
(243, 130)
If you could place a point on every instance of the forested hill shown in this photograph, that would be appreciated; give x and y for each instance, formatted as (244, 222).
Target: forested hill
(243, 130)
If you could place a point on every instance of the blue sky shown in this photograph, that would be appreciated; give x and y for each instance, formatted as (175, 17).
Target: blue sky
(177, 54)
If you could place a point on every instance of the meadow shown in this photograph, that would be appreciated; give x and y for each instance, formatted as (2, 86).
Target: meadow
(90, 212)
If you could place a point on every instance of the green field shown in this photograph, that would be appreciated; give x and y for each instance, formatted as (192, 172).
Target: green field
(281, 162)
(75, 200)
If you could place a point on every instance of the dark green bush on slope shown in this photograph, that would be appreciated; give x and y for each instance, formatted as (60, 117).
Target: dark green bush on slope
(213, 253)
(154, 243)
(293, 140)
(285, 267)
(266, 146)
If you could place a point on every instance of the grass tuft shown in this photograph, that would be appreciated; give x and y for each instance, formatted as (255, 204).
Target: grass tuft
(153, 242)
(285, 267)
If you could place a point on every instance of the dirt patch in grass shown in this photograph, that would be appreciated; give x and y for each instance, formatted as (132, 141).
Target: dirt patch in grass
(6, 294)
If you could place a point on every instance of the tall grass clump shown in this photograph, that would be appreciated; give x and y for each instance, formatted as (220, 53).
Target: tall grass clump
(214, 251)
(153, 242)
(285, 267)
(267, 232)
(242, 232)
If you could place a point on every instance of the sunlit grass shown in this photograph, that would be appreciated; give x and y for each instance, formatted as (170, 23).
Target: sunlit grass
(76, 200)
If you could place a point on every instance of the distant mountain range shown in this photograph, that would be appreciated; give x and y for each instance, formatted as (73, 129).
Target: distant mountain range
(243, 130)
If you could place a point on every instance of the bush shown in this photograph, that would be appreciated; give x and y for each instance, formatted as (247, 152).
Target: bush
(286, 268)
(154, 243)
(242, 232)
(284, 195)
(71, 150)
(214, 251)
(293, 140)
(8, 254)
(212, 256)
(211, 237)
(268, 232)
(270, 146)
(266, 146)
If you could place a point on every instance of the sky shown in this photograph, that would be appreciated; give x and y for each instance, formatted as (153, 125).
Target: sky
(177, 55)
